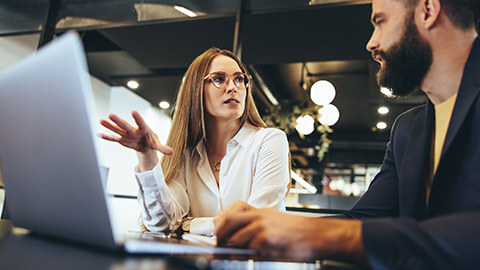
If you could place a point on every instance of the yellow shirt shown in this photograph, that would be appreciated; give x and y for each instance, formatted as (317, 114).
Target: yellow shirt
(443, 113)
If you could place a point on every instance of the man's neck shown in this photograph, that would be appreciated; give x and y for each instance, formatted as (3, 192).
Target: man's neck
(450, 54)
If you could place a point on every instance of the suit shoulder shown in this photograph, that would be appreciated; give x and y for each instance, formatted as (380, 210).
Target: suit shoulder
(411, 114)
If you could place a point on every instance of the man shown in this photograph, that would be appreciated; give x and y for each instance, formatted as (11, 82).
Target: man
(422, 210)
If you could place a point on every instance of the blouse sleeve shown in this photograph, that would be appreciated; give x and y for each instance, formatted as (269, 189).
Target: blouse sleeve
(163, 206)
(272, 172)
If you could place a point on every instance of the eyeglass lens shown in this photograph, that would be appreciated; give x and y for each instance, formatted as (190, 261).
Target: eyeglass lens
(221, 80)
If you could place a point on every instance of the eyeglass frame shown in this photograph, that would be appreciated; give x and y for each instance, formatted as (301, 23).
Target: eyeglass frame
(228, 76)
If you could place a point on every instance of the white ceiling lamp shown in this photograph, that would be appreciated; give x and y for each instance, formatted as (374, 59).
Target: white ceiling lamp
(381, 125)
(132, 84)
(383, 110)
(329, 115)
(305, 124)
(164, 104)
(322, 92)
(185, 11)
(386, 92)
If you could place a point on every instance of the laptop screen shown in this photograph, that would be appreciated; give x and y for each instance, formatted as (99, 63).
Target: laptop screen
(48, 152)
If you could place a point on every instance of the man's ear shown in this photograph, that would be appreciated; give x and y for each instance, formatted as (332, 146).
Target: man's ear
(430, 10)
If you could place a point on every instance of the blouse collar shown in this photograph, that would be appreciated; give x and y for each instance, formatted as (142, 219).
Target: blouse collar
(243, 137)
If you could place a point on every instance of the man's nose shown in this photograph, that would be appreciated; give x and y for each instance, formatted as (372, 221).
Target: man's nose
(372, 43)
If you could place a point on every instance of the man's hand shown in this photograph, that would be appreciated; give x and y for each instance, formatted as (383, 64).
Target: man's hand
(275, 234)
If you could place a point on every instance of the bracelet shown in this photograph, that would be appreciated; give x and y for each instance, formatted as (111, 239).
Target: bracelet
(186, 224)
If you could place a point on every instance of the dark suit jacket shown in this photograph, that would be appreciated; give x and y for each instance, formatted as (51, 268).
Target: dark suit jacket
(399, 231)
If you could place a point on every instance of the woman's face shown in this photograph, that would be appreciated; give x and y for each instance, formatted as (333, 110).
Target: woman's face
(224, 91)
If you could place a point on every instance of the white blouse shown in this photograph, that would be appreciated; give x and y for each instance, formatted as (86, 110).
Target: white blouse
(254, 169)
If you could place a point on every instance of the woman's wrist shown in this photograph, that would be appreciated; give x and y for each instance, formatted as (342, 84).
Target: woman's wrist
(147, 160)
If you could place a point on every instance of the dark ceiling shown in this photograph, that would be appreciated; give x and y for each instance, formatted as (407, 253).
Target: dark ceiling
(327, 42)
(323, 41)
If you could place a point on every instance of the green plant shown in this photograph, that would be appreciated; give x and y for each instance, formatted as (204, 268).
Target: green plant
(284, 116)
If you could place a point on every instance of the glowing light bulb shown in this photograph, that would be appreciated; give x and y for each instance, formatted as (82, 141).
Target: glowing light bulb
(329, 115)
(386, 92)
(164, 104)
(383, 110)
(305, 124)
(133, 84)
(322, 92)
(381, 125)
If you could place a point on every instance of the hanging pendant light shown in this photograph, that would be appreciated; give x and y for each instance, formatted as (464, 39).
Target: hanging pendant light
(329, 115)
(322, 92)
(305, 124)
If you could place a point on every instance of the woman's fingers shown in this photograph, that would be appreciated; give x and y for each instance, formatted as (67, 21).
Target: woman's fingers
(152, 140)
(110, 137)
(140, 139)
(166, 150)
(122, 123)
(112, 127)
(140, 122)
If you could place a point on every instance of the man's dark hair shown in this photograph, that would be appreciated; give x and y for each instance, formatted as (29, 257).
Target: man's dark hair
(462, 13)
(475, 5)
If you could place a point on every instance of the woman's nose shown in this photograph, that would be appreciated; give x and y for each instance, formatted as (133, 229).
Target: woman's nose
(231, 86)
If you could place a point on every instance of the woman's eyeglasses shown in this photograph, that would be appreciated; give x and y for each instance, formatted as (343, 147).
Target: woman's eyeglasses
(221, 79)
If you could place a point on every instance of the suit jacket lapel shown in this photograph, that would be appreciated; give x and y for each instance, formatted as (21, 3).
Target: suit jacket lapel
(415, 166)
(467, 94)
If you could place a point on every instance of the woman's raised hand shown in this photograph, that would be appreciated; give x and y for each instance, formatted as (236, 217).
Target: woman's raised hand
(141, 138)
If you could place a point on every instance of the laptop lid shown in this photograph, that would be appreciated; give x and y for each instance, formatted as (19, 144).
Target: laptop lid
(47, 146)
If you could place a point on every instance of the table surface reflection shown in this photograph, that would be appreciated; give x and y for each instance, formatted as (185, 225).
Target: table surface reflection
(21, 250)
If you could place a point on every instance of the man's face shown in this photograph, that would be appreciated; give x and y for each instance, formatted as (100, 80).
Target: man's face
(403, 63)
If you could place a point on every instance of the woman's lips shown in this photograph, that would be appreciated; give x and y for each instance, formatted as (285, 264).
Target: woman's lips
(231, 100)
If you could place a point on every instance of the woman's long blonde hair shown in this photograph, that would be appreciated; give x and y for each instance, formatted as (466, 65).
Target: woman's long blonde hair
(188, 126)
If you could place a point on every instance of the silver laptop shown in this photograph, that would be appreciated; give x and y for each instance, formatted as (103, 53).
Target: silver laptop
(49, 158)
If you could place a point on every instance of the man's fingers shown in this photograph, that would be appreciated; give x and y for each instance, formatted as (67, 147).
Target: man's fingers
(231, 224)
(244, 235)
(261, 242)
(237, 207)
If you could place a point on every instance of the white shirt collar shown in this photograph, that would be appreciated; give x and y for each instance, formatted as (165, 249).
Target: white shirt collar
(243, 137)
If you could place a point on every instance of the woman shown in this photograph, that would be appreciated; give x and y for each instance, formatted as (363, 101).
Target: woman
(220, 150)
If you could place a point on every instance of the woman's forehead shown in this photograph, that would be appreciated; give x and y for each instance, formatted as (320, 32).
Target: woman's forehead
(225, 64)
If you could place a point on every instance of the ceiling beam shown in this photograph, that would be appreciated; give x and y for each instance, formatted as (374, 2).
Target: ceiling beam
(48, 27)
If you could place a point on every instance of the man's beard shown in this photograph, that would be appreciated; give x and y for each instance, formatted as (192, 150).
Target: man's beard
(406, 62)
